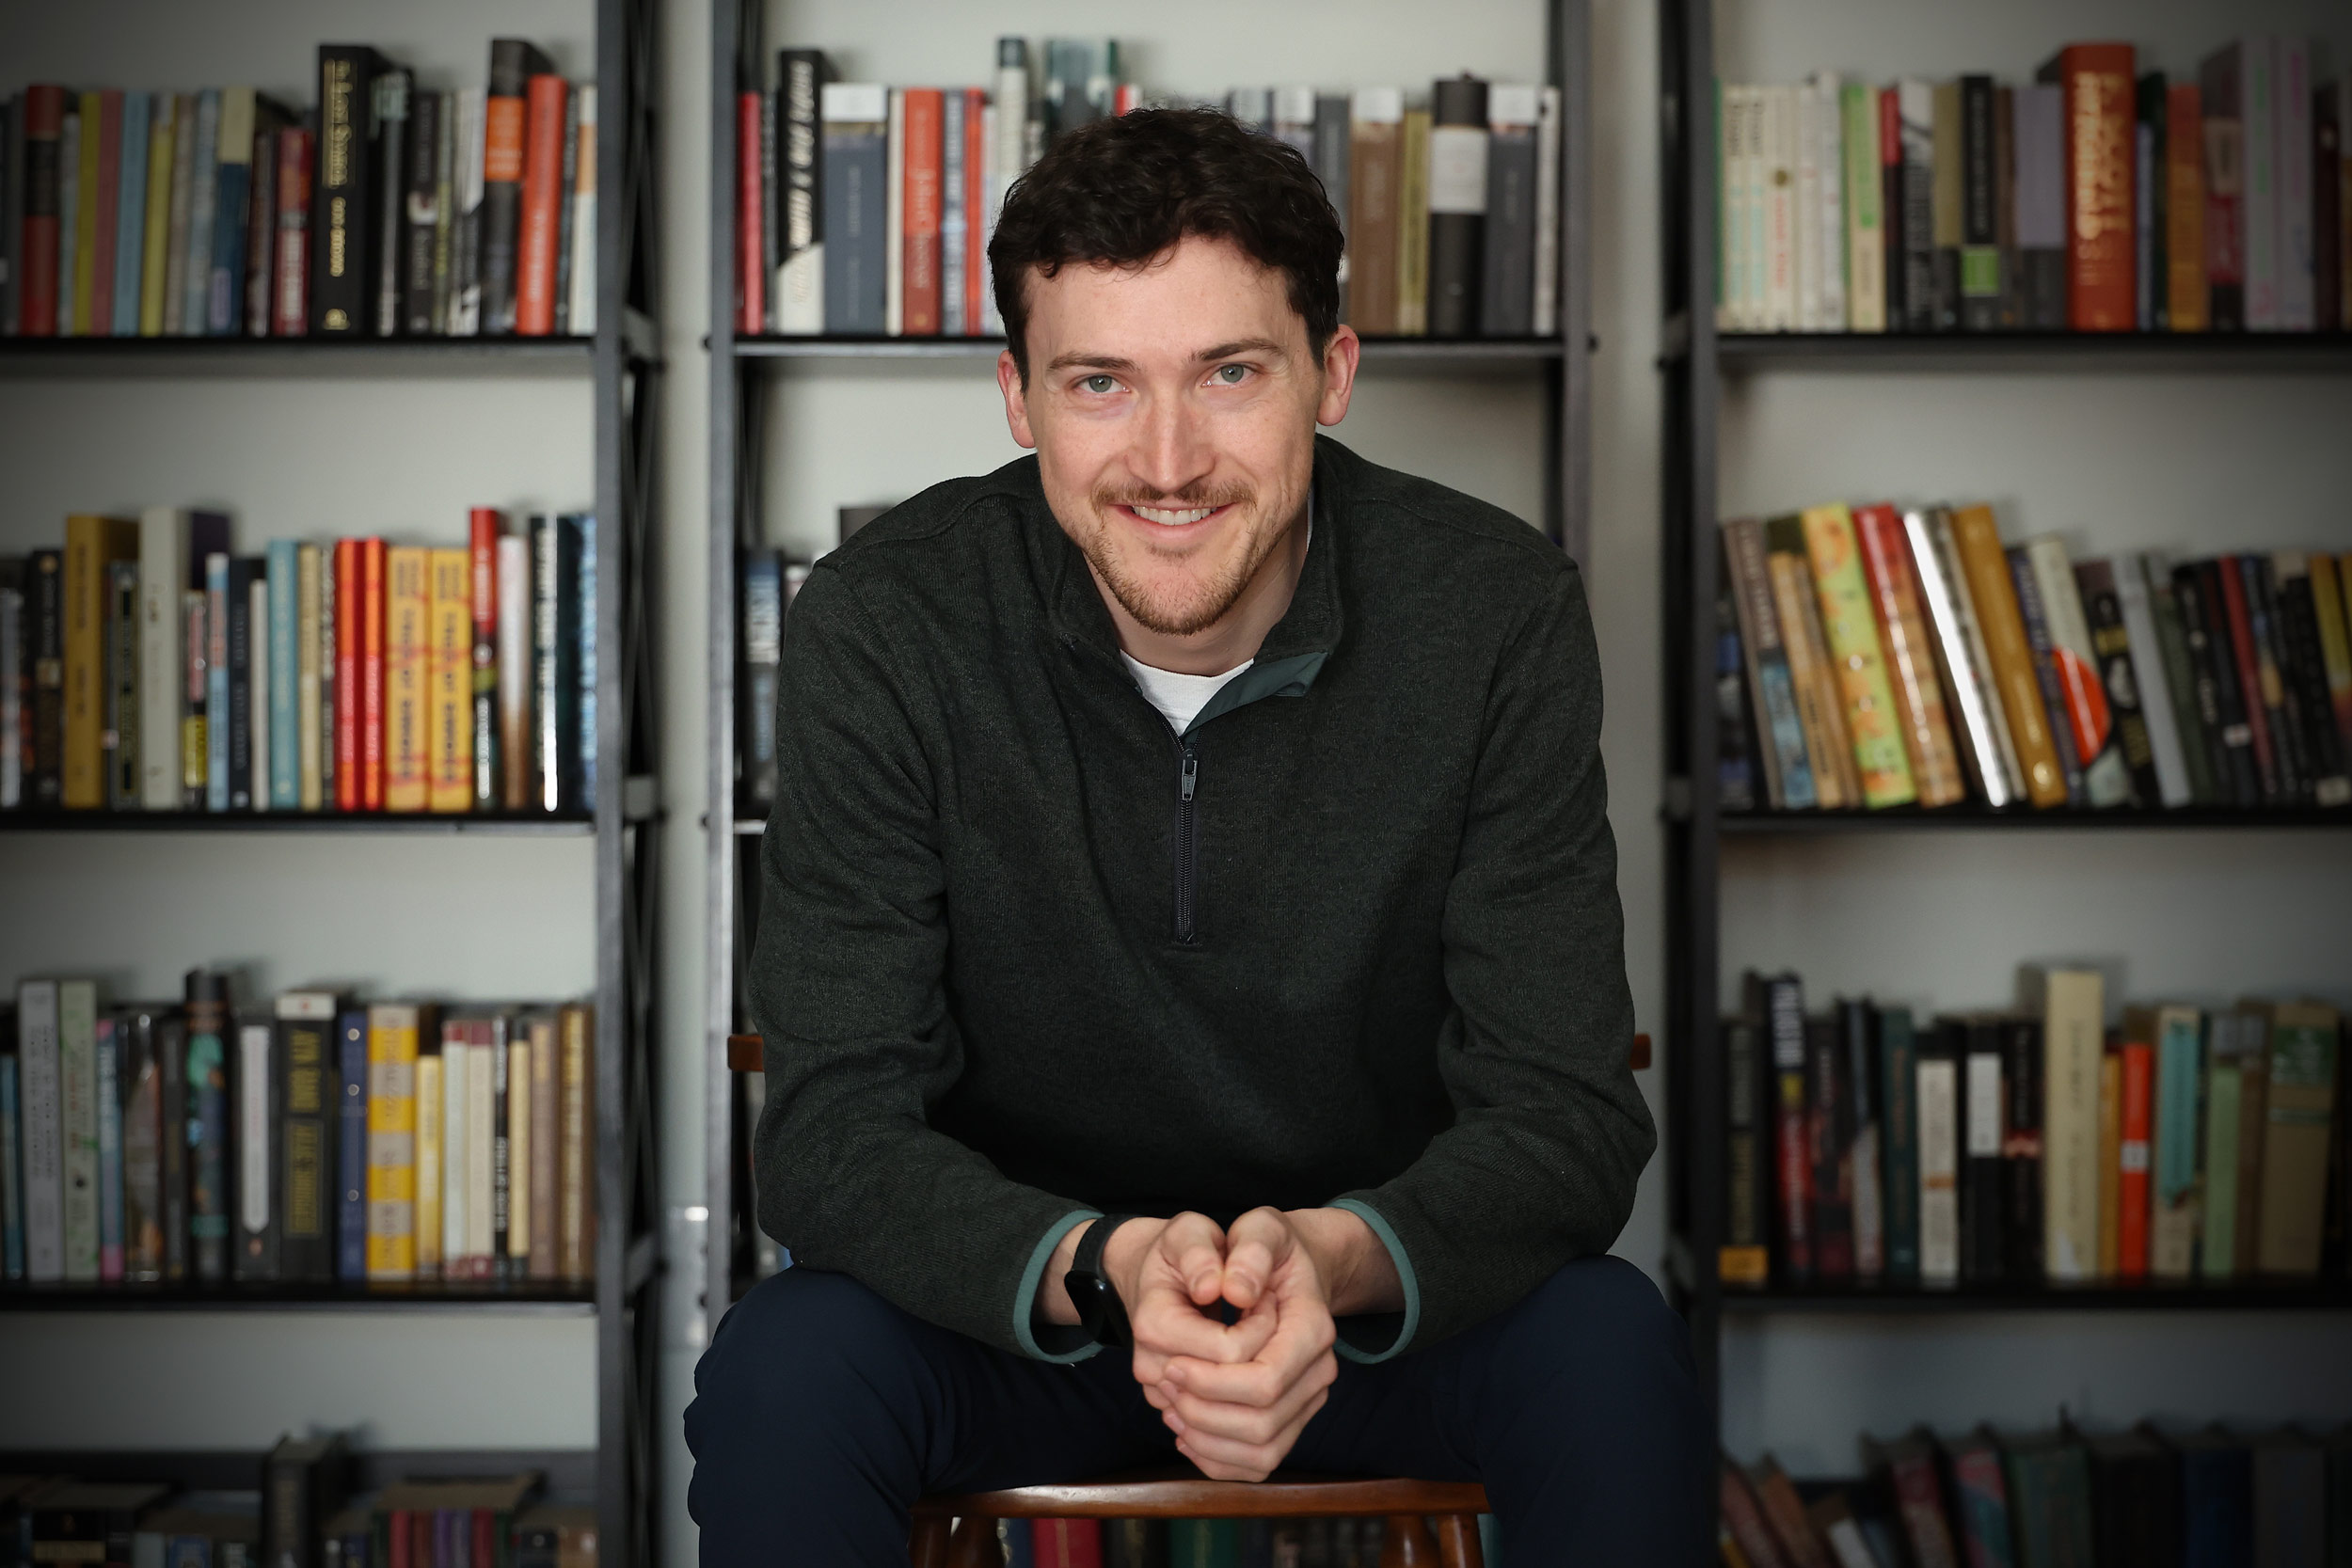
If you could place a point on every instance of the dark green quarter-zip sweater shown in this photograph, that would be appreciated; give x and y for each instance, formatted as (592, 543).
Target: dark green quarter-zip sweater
(1027, 954)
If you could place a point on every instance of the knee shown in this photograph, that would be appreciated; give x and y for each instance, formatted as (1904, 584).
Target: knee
(800, 1339)
(1601, 1316)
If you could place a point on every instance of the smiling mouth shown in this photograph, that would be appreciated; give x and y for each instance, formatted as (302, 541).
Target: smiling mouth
(1173, 516)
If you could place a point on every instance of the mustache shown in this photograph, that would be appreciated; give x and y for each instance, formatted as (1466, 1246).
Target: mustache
(1191, 496)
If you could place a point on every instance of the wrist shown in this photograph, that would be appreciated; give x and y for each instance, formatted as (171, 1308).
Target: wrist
(1351, 1261)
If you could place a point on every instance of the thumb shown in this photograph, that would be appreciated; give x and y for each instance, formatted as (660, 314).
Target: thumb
(1258, 1243)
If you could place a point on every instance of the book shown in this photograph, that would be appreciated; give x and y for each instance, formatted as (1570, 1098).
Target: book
(2135, 1063)
(1375, 174)
(1981, 1501)
(2236, 647)
(1784, 1511)
(1943, 1127)
(1779, 1001)
(2128, 699)
(353, 1075)
(2127, 632)
(895, 213)
(854, 201)
(2093, 724)
(1830, 1128)
(1862, 1132)
(345, 217)
(421, 231)
(763, 648)
(430, 1105)
(580, 307)
(515, 739)
(406, 655)
(1994, 598)
(1949, 173)
(1909, 658)
(92, 544)
(2050, 1504)
(395, 97)
(1458, 143)
(2216, 1499)
(2303, 671)
(1821, 708)
(485, 786)
(1853, 647)
(555, 561)
(575, 1132)
(1745, 1519)
(259, 1091)
(1745, 1256)
(2175, 1216)
(471, 187)
(307, 1120)
(1861, 202)
(277, 766)
(456, 1188)
(77, 1112)
(41, 1107)
(209, 1121)
(2098, 109)
(1898, 1101)
(2135, 1496)
(547, 1167)
(1905, 1470)
(1506, 301)
(798, 287)
(1780, 732)
(140, 1075)
(45, 599)
(538, 236)
(449, 679)
(303, 1483)
(2049, 671)
(120, 757)
(393, 1030)
(2299, 1110)
(2205, 631)
(514, 63)
(2290, 1497)
(919, 233)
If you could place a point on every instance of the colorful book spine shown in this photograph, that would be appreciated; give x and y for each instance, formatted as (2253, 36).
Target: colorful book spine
(540, 236)
(77, 1105)
(285, 675)
(391, 1142)
(351, 1077)
(407, 605)
(2097, 81)
(1861, 670)
(1909, 656)
(449, 677)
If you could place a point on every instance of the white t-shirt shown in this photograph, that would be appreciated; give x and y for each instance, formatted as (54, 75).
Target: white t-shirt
(1179, 696)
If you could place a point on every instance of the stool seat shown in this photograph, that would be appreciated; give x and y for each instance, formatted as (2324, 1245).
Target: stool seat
(1410, 1506)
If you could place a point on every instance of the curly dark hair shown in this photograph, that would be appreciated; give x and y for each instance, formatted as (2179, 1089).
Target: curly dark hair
(1126, 189)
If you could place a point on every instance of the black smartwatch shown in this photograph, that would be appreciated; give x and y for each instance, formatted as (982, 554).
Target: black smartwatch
(1101, 1313)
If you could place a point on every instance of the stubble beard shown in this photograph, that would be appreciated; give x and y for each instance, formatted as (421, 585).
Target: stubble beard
(1179, 613)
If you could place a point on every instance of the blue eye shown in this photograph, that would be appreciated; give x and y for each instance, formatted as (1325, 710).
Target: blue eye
(1100, 383)
(1231, 375)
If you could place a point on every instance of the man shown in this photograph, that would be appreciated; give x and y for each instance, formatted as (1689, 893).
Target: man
(1189, 928)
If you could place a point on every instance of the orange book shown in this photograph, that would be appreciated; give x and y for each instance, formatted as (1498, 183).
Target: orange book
(1904, 637)
(925, 129)
(974, 203)
(2102, 142)
(2184, 207)
(751, 238)
(2110, 1157)
(1986, 565)
(371, 616)
(406, 597)
(449, 682)
(2138, 1111)
(542, 207)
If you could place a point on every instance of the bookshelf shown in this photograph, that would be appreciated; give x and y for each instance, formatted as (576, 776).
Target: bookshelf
(1717, 390)
(752, 378)
(613, 385)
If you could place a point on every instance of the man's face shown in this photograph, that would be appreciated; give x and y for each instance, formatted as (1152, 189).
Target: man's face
(1173, 409)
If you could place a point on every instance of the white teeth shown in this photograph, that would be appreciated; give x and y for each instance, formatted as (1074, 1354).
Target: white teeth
(1171, 519)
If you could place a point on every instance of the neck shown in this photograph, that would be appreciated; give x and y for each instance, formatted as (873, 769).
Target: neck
(1234, 638)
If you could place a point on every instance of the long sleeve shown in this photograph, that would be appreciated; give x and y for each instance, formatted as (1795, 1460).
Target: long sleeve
(1550, 1131)
(847, 986)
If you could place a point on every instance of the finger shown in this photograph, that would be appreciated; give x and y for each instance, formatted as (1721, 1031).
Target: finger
(1194, 1248)
(1301, 1335)
(1252, 1423)
(1166, 1324)
(1257, 1244)
(1244, 1461)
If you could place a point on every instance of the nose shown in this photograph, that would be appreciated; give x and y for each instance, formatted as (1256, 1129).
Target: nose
(1168, 453)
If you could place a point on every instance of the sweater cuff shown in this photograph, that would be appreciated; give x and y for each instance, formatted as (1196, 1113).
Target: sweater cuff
(1060, 1343)
(1378, 1335)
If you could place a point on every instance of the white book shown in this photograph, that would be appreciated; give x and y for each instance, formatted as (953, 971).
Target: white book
(310, 742)
(1830, 308)
(1547, 310)
(2106, 776)
(1806, 244)
(1960, 657)
(894, 220)
(1735, 313)
(457, 1148)
(2133, 575)
(2072, 1005)
(77, 1104)
(42, 1107)
(582, 313)
(257, 639)
(1939, 1170)
(483, 1061)
(465, 295)
(2298, 310)
(163, 577)
(513, 589)
(257, 1131)
(1754, 243)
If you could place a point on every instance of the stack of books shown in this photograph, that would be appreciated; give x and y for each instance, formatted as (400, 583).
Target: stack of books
(1190, 1543)
(2098, 198)
(2112, 1499)
(214, 214)
(145, 668)
(302, 1139)
(865, 210)
(1872, 1146)
(1871, 657)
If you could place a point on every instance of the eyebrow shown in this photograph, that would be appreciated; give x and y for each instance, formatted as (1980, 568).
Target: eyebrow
(1083, 358)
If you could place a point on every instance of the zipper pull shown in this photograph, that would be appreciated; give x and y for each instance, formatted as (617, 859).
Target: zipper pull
(1184, 780)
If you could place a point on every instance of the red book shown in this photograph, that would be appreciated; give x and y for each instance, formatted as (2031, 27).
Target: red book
(397, 1525)
(1740, 1515)
(975, 204)
(2249, 671)
(101, 293)
(2131, 1228)
(542, 206)
(2184, 208)
(347, 674)
(751, 220)
(44, 123)
(2102, 167)
(1067, 1542)
(483, 524)
(371, 617)
(926, 128)
(485, 1541)
(290, 298)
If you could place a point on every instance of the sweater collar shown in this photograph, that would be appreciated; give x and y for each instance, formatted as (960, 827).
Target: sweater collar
(1310, 629)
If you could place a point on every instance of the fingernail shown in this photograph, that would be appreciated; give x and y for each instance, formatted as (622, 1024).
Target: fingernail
(1174, 1377)
(1175, 1423)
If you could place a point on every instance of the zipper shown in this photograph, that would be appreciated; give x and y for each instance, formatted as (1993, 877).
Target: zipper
(1187, 838)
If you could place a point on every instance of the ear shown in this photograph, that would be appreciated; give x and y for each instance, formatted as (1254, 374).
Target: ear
(1016, 399)
(1340, 359)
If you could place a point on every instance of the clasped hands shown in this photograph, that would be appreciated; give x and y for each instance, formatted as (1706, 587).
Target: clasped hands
(1237, 1394)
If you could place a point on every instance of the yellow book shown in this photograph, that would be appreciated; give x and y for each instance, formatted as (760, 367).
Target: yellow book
(91, 544)
(449, 682)
(1847, 625)
(85, 280)
(392, 1028)
(518, 1149)
(1978, 539)
(1412, 227)
(1836, 783)
(431, 1159)
(576, 1151)
(407, 600)
(2070, 1002)
(156, 258)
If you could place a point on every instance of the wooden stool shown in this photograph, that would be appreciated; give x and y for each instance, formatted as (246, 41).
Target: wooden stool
(960, 1532)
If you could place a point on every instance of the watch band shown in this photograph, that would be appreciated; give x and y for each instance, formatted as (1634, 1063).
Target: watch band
(1100, 1310)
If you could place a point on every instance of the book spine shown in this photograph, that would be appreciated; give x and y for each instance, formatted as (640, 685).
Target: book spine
(751, 282)
(1864, 209)
(450, 771)
(1788, 772)
(2290, 743)
(2101, 230)
(516, 734)
(542, 196)
(483, 527)
(920, 227)
(547, 738)
(567, 175)
(1458, 147)
(799, 305)
(2298, 1114)
(895, 216)
(2145, 669)
(577, 1216)
(343, 218)
(2026, 1203)
(2192, 701)
(2329, 105)
(1836, 780)
(391, 1142)
(1963, 659)
(248, 777)
(344, 733)
(2294, 122)
(36, 292)
(2195, 592)
(546, 1077)
(162, 572)
(2072, 1037)
(1912, 217)
(310, 1119)
(2131, 1242)
(142, 1149)
(257, 278)
(763, 647)
(466, 237)
(130, 215)
(110, 1168)
(91, 544)
(2332, 612)
(171, 1074)
(1775, 165)
(395, 98)
(1948, 179)
(351, 1077)
(1412, 217)
(41, 1098)
(232, 193)
(2036, 629)
(11, 1186)
(1545, 305)
(2177, 1216)
(515, 1089)
(2074, 663)
(505, 126)
(257, 1120)
(282, 765)
(210, 1167)
(455, 1108)
(77, 1106)
(406, 656)
(488, 1187)
(2247, 666)
(290, 295)
(1506, 300)
(1853, 646)
(369, 611)
(432, 1153)
(1910, 657)
(1371, 170)
(155, 238)
(1829, 1126)
(1862, 1136)
(1745, 1256)
(311, 562)
(121, 739)
(854, 178)
(2186, 293)
(2111, 646)
(1939, 1122)
(1899, 1120)
(1983, 1200)
(581, 640)
(216, 693)
(420, 228)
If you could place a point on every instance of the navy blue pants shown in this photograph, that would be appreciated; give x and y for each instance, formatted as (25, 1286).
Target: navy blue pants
(821, 1412)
